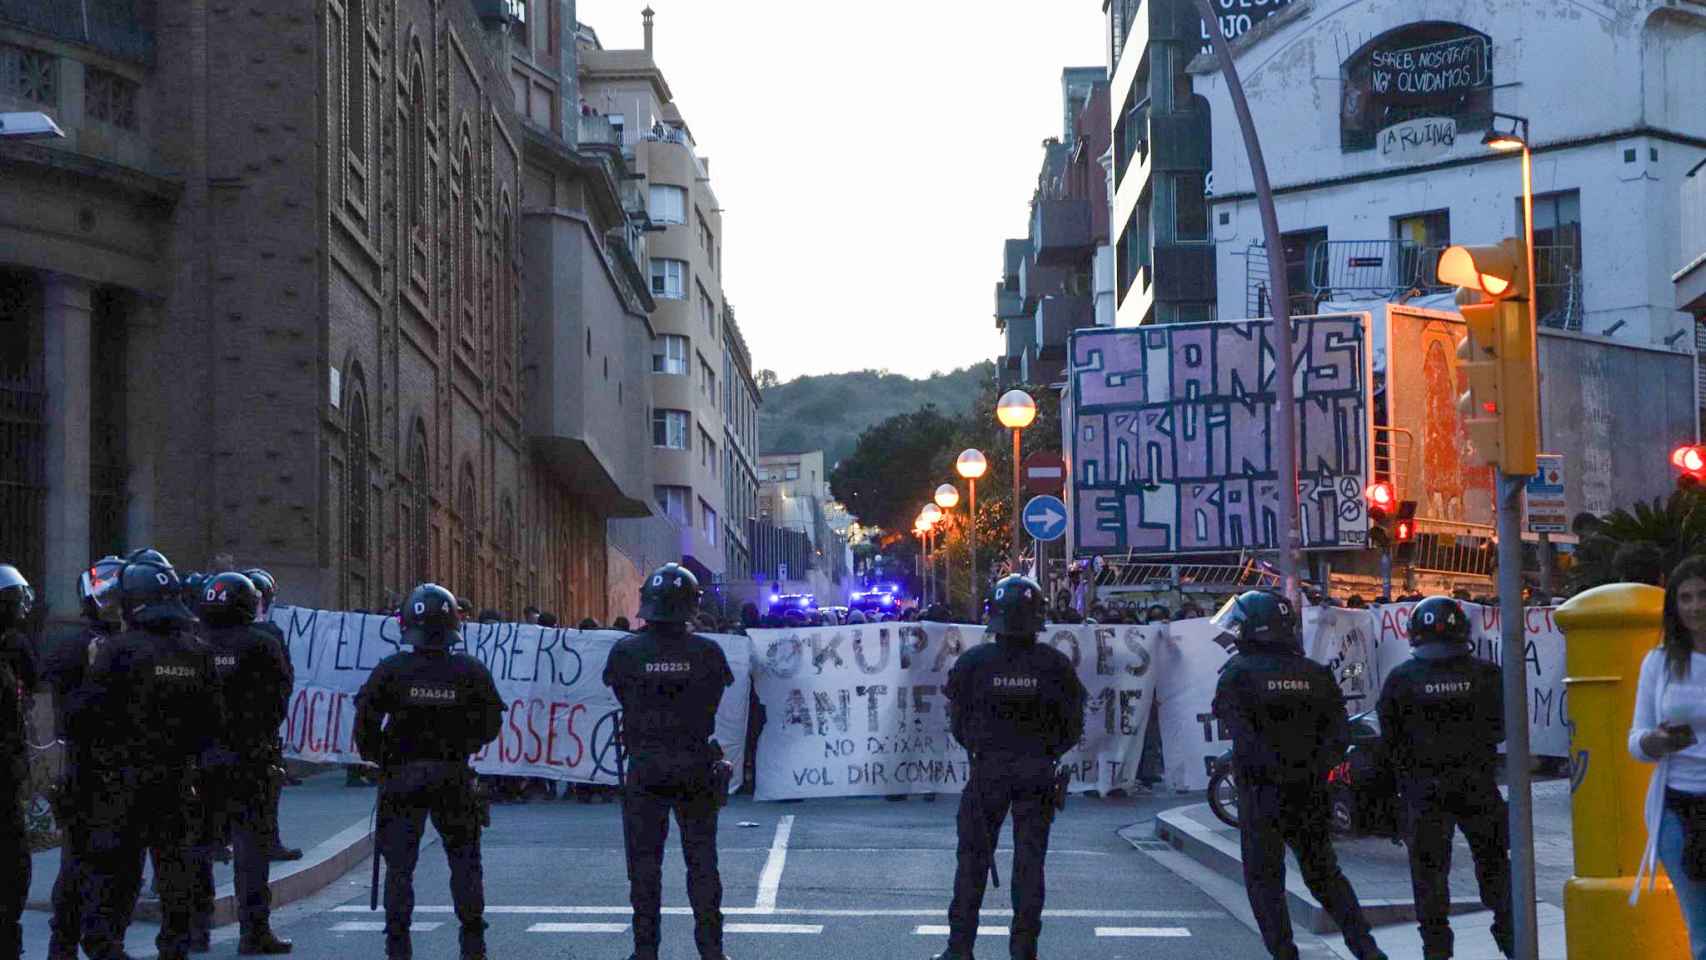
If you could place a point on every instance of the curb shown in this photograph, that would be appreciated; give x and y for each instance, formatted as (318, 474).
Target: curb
(288, 881)
(1183, 833)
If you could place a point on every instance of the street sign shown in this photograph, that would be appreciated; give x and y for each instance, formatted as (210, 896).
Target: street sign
(1045, 473)
(1543, 497)
(1045, 518)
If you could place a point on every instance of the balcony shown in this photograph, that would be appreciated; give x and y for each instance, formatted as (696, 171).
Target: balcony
(120, 28)
(1008, 307)
(597, 130)
(1057, 316)
(1371, 269)
(1013, 253)
(1037, 281)
(1061, 229)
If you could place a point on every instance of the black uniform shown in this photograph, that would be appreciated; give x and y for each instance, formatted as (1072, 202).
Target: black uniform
(442, 707)
(1442, 717)
(147, 711)
(1016, 706)
(1289, 728)
(669, 682)
(237, 771)
(17, 679)
(276, 850)
(64, 668)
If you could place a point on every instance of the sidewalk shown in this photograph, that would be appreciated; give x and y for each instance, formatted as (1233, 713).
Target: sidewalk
(1379, 870)
(326, 820)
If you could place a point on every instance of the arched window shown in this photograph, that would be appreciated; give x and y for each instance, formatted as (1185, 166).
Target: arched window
(417, 169)
(470, 183)
(466, 506)
(355, 48)
(509, 561)
(417, 502)
(355, 465)
(504, 245)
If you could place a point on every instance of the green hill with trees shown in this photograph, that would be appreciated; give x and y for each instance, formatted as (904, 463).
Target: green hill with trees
(829, 412)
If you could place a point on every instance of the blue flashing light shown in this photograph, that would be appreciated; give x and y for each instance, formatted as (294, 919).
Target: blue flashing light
(888, 601)
(775, 597)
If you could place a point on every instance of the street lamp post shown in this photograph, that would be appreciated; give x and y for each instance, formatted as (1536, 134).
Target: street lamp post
(1016, 411)
(1510, 599)
(947, 497)
(930, 516)
(971, 465)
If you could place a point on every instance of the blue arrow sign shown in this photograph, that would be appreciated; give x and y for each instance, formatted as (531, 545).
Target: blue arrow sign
(1045, 518)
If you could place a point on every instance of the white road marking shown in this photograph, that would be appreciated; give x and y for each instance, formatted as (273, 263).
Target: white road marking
(595, 911)
(1142, 932)
(927, 930)
(810, 928)
(770, 881)
(578, 928)
(378, 926)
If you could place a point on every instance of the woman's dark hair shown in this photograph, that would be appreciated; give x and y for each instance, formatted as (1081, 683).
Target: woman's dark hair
(1679, 643)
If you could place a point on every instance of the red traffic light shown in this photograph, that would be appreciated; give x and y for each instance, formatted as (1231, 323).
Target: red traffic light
(1404, 531)
(1381, 498)
(1690, 459)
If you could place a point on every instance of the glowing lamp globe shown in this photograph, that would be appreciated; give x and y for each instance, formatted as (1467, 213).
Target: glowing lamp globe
(1016, 410)
(972, 464)
(947, 496)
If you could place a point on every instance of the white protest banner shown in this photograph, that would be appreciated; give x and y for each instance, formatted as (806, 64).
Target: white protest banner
(560, 720)
(1543, 660)
(859, 710)
(1345, 640)
(1187, 669)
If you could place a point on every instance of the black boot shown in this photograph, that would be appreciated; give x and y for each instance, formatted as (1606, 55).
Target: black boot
(201, 940)
(281, 852)
(261, 942)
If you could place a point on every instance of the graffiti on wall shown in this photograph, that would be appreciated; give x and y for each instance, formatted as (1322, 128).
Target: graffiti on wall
(1172, 440)
(1429, 449)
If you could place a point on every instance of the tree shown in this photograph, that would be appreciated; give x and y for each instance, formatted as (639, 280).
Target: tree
(888, 475)
(766, 380)
(1627, 544)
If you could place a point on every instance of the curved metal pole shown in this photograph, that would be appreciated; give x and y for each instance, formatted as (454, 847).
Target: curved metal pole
(1285, 401)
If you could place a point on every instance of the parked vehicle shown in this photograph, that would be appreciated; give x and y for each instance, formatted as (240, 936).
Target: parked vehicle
(1363, 796)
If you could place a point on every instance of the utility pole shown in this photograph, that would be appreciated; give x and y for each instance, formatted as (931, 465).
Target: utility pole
(1284, 441)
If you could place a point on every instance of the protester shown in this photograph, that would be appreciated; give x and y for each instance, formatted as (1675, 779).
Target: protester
(16, 677)
(1670, 713)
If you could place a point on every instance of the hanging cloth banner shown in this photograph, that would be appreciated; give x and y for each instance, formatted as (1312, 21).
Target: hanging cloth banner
(560, 720)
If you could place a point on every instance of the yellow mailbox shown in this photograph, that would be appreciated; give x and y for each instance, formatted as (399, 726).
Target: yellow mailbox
(1607, 632)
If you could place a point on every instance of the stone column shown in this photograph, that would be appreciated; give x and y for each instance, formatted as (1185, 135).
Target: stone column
(65, 369)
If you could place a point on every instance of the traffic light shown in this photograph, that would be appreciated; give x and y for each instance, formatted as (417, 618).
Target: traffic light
(1691, 460)
(1381, 499)
(1500, 410)
(1404, 532)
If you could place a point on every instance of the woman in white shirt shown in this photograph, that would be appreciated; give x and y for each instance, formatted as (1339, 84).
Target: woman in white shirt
(1670, 714)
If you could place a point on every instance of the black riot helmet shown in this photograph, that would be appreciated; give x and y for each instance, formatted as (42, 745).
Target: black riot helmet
(97, 590)
(150, 594)
(670, 595)
(1016, 607)
(193, 585)
(1438, 620)
(430, 618)
(228, 600)
(1259, 618)
(16, 598)
(265, 583)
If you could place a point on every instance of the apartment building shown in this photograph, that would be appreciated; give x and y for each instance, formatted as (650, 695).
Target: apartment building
(627, 91)
(740, 449)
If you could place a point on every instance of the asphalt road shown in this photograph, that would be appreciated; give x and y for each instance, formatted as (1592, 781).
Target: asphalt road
(842, 879)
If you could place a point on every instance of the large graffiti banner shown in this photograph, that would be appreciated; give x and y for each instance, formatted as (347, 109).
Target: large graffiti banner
(1173, 447)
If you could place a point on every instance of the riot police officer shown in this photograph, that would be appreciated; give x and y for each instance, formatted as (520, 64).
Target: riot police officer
(669, 682)
(64, 668)
(16, 681)
(268, 587)
(147, 711)
(256, 678)
(1442, 717)
(442, 707)
(1288, 724)
(1016, 706)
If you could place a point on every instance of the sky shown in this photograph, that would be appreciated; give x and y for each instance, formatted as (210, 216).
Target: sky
(870, 160)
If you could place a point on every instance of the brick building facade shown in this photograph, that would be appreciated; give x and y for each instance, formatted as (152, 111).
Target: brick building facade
(282, 308)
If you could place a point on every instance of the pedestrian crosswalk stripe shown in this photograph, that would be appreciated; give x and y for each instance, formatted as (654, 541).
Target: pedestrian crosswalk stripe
(625, 911)
(378, 926)
(811, 928)
(578, 928)
(929, 930)
(1142, 932)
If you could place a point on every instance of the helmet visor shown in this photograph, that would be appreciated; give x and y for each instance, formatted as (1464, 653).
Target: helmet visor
(1230, 617)
(99, 585)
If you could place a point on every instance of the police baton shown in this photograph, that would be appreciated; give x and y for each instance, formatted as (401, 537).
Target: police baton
(983, 827)
(373, 831)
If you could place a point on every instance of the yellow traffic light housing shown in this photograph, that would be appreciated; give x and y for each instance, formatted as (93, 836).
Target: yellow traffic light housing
(1500, 410)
